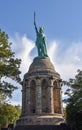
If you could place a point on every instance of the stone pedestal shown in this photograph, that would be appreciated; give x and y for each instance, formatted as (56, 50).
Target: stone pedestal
(41, 95)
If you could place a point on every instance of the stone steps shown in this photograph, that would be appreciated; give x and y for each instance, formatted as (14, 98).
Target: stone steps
(43, 127)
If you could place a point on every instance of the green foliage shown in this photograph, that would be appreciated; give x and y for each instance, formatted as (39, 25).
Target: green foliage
(9, 65)
(74, 101)
(2, 97)
(64, 112)
(9, 114)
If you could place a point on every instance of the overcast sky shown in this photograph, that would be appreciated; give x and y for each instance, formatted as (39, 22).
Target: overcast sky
(62, 21)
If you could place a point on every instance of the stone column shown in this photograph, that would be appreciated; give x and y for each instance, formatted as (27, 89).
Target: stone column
(23, 103)
(23, 98)
(60, 97)
(28, 98)
(38, 96)
(50, 97)
(61, 105)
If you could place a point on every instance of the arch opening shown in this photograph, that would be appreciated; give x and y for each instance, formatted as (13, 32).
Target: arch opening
(56, 97)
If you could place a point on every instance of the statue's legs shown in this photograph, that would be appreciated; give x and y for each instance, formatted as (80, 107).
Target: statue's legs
(42, 52)
(39, 51)
(43, 49)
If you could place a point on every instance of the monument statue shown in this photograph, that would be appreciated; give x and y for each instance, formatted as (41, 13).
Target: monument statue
(41, 92)
(40, 41)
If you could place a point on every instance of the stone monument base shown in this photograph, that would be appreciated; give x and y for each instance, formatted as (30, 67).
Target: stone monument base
(43, 127)
(41, 120)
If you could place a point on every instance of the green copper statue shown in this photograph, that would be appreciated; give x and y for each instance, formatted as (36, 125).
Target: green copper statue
(40, 41)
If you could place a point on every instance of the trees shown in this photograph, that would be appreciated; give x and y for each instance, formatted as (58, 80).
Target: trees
(74, 101)
(9, 69)
(9, 66)
(9, 114)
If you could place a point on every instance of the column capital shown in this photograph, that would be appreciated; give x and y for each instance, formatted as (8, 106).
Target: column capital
(37, 77)
(38, 81)
(51, 82)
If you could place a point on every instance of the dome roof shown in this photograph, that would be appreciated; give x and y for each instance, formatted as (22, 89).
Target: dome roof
(41, 67)
(41, 64)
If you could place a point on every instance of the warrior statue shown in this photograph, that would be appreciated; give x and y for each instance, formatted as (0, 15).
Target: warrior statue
(40, 41)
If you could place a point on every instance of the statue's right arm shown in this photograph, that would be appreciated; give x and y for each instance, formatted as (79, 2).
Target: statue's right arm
(35, 23)
(35, 27)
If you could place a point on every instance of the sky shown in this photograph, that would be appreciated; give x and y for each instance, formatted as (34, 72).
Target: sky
(62, 22)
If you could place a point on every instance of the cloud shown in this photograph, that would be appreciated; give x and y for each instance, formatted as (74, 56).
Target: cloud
(22, 46)
(65, 58)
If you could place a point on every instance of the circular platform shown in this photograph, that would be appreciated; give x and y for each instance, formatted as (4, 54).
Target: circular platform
(41, 120)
